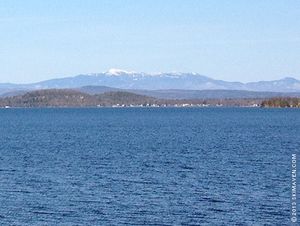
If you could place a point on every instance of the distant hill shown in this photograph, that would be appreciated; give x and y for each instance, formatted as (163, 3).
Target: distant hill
(13, 93)
(174, 93)
(160, 81)
(74, 98)
(191, 94)
(98, 89)
(47, 98)
(124, 98)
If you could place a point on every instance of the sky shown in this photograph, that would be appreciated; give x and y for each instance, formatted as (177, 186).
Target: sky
(233, 40)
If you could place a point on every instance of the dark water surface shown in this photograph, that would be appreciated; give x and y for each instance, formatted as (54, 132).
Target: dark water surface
(211, 166)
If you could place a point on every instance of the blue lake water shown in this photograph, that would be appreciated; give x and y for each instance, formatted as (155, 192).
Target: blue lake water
(147, 166)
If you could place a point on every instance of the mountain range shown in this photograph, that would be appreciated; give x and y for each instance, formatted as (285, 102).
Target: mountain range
(166, 85)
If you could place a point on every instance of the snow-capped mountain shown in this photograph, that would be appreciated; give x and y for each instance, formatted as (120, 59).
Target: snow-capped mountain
(135, 80)
(118, 72)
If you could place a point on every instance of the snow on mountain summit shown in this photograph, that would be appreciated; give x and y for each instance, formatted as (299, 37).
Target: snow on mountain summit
(114, 71)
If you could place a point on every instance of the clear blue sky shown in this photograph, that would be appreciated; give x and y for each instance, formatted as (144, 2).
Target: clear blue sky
(230, 40)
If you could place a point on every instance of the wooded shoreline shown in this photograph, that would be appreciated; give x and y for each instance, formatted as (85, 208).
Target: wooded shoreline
(74, 98)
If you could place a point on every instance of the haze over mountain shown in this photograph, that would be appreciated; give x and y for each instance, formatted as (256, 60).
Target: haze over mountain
(160, 81)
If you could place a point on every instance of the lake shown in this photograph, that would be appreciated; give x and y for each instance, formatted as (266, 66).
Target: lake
(147, 166)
